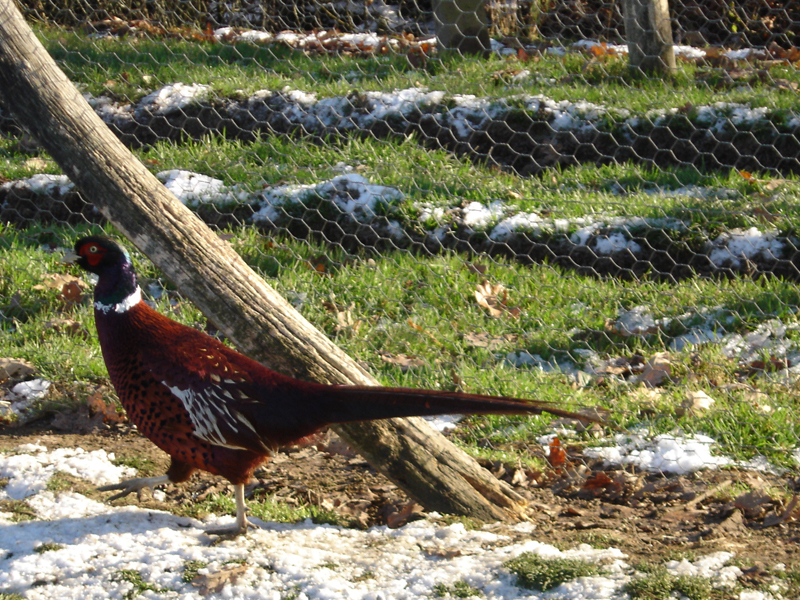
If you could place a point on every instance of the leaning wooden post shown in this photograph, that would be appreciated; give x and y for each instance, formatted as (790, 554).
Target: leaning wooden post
(208, 272)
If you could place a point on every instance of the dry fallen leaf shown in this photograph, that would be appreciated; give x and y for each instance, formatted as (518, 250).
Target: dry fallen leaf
(490, 342)
(657, 370)
(15, 368)
(557, 457)
(71, 288)
(404, 513)
(404, 361)
(753, 503)
(494, 298)
(99, 407)
(776, 519)
(344, 317)
(214, 582)
(68, 326)
(697, 402)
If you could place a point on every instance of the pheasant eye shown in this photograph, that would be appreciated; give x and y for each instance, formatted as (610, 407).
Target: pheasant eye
(93, 249)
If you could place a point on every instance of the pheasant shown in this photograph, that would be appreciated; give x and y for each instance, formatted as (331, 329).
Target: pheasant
(211, 408)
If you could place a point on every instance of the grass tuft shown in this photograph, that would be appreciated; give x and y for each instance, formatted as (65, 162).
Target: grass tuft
(536, 573)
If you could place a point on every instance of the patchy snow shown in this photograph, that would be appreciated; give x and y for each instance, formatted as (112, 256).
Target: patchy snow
(91, 544)
(636, 321)
(712, 565)
(351, 193)
(174, 97)
(769, 337)
(21, 398)
(664, 453)
(568, 115)
(355, 195)
(590, 44)
(695, 337)
(32, 466)
(194, 189)
(524, 221)
(727, 116)
(41, 183)
(31, 390)
(730, 248)
(480, 216)
(614, 242)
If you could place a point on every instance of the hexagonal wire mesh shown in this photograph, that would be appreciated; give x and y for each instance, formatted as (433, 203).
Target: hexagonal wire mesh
(537, 220)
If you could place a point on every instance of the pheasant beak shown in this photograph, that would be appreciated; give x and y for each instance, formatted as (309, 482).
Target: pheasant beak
(70, 257)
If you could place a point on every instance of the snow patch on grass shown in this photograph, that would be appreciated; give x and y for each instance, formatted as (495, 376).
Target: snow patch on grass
(173, 97)
(664, 453)
(732, 247)
(29, 470)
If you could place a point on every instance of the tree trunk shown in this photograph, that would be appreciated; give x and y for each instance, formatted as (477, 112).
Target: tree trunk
(462, 26)
(649, 33)
(208, 272)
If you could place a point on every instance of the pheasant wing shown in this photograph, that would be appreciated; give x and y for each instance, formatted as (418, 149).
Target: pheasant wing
(214, 391)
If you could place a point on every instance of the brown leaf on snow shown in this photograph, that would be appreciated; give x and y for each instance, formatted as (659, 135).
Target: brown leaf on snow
(494, 298)
(403, 514)
(212, 583)
(15, 368)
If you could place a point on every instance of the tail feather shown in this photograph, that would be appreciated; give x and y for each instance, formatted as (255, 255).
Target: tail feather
(361, 403)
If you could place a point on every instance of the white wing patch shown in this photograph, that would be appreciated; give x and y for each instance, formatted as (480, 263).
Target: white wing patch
(208, 411)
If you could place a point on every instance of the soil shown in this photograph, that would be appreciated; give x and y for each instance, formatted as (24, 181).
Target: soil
(650, 517)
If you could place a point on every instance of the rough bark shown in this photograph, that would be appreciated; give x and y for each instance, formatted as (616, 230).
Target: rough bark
(649, 34)
(207, 271)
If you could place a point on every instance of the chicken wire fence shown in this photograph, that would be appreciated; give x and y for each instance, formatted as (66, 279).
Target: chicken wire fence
(537, 220)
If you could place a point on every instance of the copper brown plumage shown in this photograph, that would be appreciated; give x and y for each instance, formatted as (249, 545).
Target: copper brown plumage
(214, 409)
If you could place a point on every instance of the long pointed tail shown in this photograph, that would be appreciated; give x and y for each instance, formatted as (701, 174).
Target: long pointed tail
(360, 403)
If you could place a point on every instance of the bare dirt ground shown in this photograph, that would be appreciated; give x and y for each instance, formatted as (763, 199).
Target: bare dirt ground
(650, 517)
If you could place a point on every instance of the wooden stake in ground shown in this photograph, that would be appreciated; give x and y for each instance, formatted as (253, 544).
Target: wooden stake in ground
(649, 34)
(208, 272)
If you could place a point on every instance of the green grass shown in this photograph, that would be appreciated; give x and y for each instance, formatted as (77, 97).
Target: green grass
(20, 510)
(47, 547)
(459, 589)
(403, 304)
(131, 67)
(659, 584)
(145, 467)
(139, 584)
(383, 308)
(190, 569)
(264, 508)
(543, 574)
